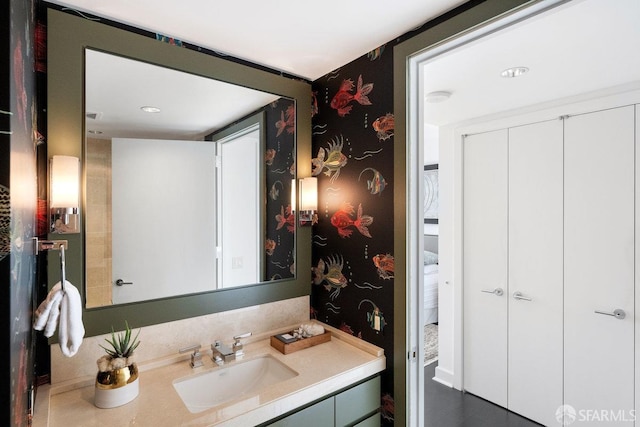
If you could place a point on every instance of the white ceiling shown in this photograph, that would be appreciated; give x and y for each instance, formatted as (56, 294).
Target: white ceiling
(190, 106)
(580, 47)
(307, 39)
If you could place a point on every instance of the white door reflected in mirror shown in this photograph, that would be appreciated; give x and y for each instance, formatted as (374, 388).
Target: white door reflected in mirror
(239, 198)
(164, 217)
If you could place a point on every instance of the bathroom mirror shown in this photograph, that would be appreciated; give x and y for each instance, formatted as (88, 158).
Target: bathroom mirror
(69, 38)
(171, 151)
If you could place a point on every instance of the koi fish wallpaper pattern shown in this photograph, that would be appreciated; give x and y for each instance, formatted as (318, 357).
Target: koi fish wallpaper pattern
(352, 145)
(18, 145)
(280, 166)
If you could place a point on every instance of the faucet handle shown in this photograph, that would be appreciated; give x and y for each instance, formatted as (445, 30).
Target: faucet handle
(237, 344)
(196, 356)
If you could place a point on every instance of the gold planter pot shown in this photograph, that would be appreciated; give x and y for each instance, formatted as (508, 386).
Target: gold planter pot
(117, 387)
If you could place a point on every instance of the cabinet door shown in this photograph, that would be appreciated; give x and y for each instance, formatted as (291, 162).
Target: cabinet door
(319, 415)
(372, 421)
(485, 265)
(357, 402)
(535, 270)
(599, 260)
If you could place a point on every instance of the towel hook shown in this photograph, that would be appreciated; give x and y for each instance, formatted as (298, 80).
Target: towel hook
(63, 272)
(52, 245)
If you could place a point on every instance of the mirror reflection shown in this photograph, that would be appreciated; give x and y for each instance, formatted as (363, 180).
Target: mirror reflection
(187, 183)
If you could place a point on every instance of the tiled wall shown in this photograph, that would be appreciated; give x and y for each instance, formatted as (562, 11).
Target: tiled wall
(98, 217)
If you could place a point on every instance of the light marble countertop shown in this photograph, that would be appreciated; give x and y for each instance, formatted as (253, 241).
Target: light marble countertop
(323, 370)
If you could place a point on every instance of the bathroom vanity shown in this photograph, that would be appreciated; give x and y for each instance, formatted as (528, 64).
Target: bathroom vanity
(336, 383)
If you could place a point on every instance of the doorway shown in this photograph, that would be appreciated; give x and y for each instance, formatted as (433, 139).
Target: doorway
(460, 67)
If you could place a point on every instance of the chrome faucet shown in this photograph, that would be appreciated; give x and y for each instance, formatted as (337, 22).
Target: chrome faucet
(196, 356)
(220, 353)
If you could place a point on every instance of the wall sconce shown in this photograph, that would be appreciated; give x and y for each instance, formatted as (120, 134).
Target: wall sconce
(64, 189)
(308, 201)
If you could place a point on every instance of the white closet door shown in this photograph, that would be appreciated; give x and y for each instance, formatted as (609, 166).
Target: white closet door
(599, 261)
(535, 270)
(637, 261)
(485, 265)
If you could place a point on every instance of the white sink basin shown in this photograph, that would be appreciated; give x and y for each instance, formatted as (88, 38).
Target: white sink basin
(203, 391)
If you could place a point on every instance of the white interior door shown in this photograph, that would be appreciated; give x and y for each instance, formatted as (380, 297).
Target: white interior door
(240, 214)
(599, 261)
(485, 265)
(535, 270)
(166, 188)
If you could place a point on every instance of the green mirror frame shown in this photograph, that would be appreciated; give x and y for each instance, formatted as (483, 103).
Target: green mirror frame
(68, 36)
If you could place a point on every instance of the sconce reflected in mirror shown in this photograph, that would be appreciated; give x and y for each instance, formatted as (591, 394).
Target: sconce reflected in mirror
(64, 189)
(308, 201)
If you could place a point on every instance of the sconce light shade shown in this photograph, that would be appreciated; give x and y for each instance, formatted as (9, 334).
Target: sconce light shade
(308, 201)
(64, 190)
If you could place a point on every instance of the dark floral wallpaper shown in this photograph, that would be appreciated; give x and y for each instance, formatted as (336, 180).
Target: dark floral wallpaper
(18, 194)
(280, 157)
(353, 263)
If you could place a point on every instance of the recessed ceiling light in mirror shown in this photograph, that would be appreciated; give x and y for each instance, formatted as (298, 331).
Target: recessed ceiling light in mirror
(150, 109)
(514, 72)
(95, 132)
(438, 96)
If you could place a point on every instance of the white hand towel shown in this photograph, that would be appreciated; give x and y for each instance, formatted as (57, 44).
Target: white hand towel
(67, 307)
(44, 310)
(54, 313)
(71, 329)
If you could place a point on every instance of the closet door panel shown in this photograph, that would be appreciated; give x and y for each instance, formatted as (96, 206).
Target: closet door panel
(485, 265)
(535, 270)
(637, 262)
(599, 260)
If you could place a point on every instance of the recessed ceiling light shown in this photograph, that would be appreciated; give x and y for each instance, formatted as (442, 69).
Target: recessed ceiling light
(438, 96)
(150, 109)
(95, 132)
(514, 72)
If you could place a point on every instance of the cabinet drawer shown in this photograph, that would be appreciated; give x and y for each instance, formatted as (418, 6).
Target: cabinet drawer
(357, 402)
(372, 421)
(318, 415)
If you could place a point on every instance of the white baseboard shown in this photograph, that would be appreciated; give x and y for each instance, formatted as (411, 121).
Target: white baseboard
(444, 377)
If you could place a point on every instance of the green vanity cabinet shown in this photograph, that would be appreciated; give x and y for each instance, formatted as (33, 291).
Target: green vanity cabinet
(357, 406)
(372, 421)
(320, 414)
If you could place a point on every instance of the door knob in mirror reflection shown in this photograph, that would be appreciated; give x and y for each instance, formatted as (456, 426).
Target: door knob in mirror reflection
(519, 296)
(618, 313)
(497, 291)
(121, 282)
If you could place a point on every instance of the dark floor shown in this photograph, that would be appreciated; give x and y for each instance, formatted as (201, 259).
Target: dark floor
(448, 407)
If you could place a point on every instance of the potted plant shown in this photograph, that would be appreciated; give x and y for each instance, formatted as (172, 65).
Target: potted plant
(117, 379)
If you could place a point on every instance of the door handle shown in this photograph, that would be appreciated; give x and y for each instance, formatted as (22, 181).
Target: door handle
(517, 295)
(497, 291)
(121, 282)
(618, 313)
